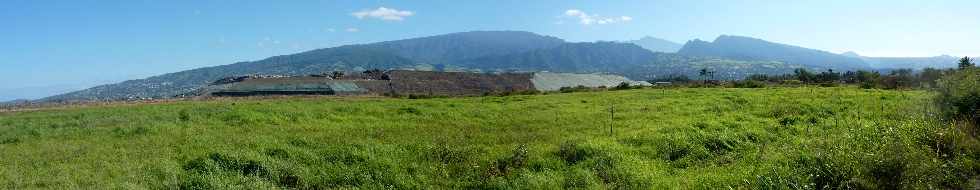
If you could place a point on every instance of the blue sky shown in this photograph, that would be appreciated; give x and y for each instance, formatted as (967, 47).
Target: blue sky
(56, 46)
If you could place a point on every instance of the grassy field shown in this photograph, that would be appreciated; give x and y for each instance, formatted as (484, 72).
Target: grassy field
(776, 138)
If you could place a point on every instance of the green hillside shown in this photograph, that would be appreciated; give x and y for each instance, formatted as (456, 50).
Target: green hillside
(751, 49)
(625, 59)
(478, 51)
(711, 138)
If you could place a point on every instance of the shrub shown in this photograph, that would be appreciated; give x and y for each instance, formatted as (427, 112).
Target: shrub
(623, 86)
(959, 95)
(867, 85)
(10, 141)
(277, 153)
(515, 161)
(889, 172)
(823, 172)
(572, 152)
(748, 84)
(513, 93)
(792, 82)
(828, 84)
(409, 110)
(423, 96)
(578, 88)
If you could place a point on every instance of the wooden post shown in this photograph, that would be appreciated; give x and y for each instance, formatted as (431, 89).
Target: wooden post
(557, 115)
(612, 118)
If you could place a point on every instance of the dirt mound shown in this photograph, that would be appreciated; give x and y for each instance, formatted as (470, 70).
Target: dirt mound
(457, 83)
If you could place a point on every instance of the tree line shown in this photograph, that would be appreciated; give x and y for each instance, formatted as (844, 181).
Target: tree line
(894, 79)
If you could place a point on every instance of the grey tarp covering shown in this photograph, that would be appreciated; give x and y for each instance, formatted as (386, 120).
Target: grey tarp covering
(545, 81)
(293, 84)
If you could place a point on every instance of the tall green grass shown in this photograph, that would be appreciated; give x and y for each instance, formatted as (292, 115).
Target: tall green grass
(775, 138)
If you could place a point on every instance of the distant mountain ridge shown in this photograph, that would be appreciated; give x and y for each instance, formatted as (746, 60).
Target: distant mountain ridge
(657, 44)
(938, 62)
(584, 57)
(450, 48)
(397, 54)
(490, 51)
(751, 49)
(15, 102)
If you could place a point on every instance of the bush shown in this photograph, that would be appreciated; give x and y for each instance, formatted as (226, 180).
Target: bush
(578, 88)
(748, 84)
(959, 95)
(828, 84)
(623, 86)
(792, 82)
(513, 93)
(867, 85)
(572, 152)
(518, 159)
(423, 96)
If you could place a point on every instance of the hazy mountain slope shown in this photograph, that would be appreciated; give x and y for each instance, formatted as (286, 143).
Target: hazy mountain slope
(399, 54)
(571, 57)
(449, 48)
(14, 102)
(625, 59)
(943, 61)
(483, 51)
(912, 62)
(657, 44)
(751, 49)
(168, 85)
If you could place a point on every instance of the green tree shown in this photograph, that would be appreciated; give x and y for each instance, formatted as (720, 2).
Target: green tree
(966, 63)
(959, 95)
(929, 76)
(704, 75)
(803, 75)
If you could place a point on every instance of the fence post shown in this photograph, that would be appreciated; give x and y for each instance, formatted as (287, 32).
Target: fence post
(612, 118)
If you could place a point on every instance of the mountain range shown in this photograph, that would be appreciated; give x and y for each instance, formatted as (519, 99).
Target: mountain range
(657, 44)
(943, 61)
(732, 57)
(745, 48)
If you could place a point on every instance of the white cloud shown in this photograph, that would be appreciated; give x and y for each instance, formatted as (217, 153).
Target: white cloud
(383, 14)
(587, 19)
(352, 30)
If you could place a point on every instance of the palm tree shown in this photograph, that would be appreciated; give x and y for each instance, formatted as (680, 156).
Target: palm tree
(703, 73)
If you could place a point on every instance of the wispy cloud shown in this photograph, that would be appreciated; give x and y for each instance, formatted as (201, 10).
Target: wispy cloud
(387, 14)
(352, 30)
(587, 19)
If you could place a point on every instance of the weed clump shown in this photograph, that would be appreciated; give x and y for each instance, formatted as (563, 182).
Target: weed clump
(409, 110)
(424, 96)
(515, 161)
(217, 164)
(277, 153)
(571, 152)
(823, 173)
(10, 141)
(184, 115)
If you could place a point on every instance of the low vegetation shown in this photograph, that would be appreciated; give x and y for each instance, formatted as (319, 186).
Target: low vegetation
(712, 138)
(959, 95)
